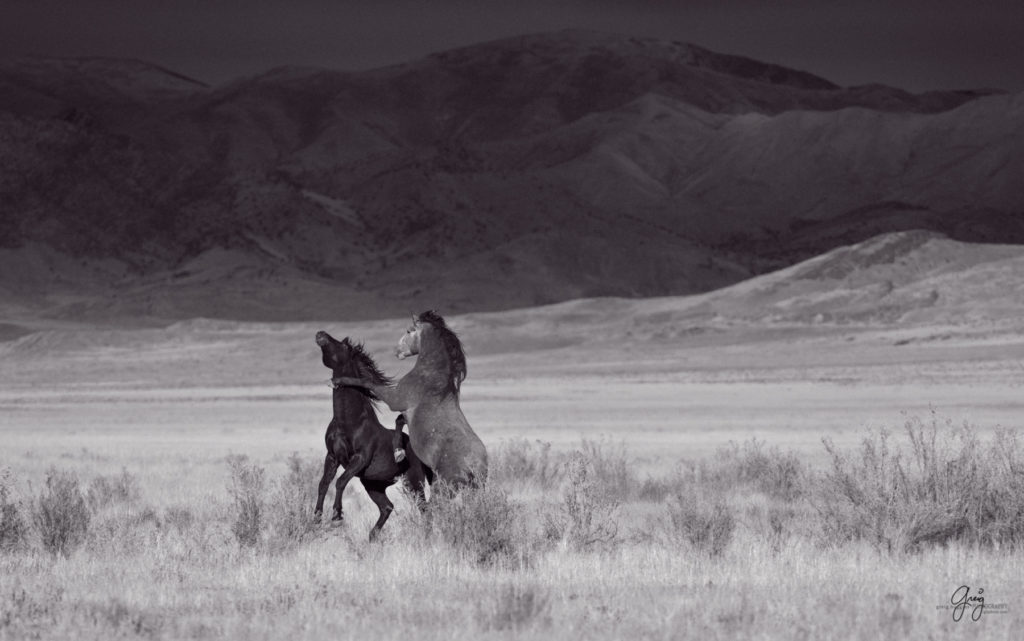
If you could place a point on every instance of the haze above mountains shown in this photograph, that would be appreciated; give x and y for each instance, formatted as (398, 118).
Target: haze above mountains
(515, 173)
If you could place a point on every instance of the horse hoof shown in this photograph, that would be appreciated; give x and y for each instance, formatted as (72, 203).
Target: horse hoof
(337, 520)
(399, 455)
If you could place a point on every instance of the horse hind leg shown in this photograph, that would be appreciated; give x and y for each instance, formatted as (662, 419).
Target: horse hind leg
(378, 495)
(416, 480)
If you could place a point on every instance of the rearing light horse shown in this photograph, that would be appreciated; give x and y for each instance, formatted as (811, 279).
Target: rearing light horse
(429, 397)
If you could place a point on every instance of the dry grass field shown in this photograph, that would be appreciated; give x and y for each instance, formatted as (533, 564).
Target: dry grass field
(158, 483)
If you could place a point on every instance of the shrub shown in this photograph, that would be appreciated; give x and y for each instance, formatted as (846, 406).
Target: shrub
(586, 515)
(128, 529)
(610, 469)
(290, 513)
(707, 526)
(482, 523)
(126, 620)
(178, 517)
(13, 529)
(246, 488)
(514, 608)
(658, 489)
(780, 523)
(946, 486)
(60, 513)
(998, 516)
(775, 473)
(105, 490)
(523, 461)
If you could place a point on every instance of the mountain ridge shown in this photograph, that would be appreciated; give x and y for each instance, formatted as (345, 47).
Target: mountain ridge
(479, 179)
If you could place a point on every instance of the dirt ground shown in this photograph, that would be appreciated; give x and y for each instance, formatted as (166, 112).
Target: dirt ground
(202, 389)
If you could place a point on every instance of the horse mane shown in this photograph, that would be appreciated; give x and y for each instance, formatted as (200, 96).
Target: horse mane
(368, 367)
(452, 346)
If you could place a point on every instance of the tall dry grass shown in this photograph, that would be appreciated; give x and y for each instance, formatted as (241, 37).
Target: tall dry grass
(749, 544)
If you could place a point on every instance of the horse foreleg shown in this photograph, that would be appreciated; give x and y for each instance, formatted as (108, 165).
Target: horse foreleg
(330, 469)
(355, 466)
(394, 396)
(377, 493)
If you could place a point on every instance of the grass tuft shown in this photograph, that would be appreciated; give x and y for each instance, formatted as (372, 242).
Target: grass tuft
(108, 490)
(777, 474)
(523, 461)
(60, 513)
(178, 517)
(706, 525)
(246, 486)
(586, 515)
(611, 469)
(515, 608)
(13, 528)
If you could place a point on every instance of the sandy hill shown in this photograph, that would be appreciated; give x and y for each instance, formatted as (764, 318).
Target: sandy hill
(936, 299)
(514, 173)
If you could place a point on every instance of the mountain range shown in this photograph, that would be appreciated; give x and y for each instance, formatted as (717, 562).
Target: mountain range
(514, 173)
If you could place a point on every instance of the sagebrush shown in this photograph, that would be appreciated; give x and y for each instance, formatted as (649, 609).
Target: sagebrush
(706, 525)
(246, 485)
(13, 527)
(587, 513)
(942, 484)
(60, 513)
(484, 524)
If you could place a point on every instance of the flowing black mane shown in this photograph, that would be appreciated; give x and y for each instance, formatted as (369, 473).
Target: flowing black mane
(452, 346)
(367, 366)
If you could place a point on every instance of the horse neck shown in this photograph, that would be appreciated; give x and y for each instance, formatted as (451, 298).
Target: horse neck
(433, 356)
(349, 403)
(434, 365)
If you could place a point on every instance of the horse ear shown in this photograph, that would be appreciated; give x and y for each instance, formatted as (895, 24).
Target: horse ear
(346, 341)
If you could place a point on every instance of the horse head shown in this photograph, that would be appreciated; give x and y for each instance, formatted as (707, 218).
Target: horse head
(349, 358)
(337, 355)
(409, 344)
(429, 334)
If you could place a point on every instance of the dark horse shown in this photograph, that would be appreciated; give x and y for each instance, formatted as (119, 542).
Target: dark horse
(357, 441)
(429, 397)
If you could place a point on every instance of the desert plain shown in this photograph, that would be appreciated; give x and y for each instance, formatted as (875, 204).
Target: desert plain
(662, 387)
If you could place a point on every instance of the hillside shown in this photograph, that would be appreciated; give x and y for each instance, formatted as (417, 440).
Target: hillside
(514, 173)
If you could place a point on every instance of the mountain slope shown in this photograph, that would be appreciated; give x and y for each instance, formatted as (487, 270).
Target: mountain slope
(513, 173)
(916, 281)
